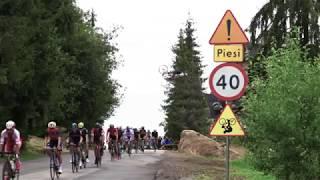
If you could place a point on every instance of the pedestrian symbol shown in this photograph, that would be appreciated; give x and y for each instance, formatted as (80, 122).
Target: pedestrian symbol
(227, 124)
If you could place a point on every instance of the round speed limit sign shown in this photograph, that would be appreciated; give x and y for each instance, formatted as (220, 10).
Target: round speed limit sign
(228, 81)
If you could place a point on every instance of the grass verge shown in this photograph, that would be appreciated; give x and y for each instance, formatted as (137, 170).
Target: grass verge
(242, 168)
(31, 155)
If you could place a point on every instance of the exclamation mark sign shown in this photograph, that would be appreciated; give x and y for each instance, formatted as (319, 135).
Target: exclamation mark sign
(229, 28)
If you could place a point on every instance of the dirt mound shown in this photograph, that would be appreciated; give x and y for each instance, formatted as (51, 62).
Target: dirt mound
(195, 143)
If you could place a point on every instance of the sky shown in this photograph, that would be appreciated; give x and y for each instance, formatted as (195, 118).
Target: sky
(149, 30)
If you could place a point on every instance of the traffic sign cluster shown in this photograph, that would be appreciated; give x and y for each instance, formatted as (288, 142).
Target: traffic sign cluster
(228, 81)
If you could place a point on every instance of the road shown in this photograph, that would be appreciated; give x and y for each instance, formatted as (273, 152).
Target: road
(138, 167)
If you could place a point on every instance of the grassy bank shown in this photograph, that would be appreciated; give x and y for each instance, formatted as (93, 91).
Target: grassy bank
(31, 155)
(242, 168)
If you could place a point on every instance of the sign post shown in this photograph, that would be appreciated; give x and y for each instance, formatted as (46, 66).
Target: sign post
(228, 81)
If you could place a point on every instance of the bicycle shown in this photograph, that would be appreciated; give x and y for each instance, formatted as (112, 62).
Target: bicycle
(128, 147)
(97, 151)
(10, 170)
(135, 145)
(75, 157)
(113, 149)
(154, 144)
(83, 155)
(141, 145)
(54, 163)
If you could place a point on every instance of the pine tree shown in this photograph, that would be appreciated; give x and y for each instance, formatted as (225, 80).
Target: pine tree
(185, 106)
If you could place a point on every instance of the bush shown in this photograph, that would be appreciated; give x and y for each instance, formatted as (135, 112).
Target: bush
(282, 116)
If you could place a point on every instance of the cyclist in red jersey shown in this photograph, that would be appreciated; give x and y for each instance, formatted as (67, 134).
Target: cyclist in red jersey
(10, 141)
(53, 139)
(97, 135)
(112, 138)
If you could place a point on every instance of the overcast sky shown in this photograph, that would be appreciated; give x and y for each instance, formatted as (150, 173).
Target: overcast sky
(150, 29)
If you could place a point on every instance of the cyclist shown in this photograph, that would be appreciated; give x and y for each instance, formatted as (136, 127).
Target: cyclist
(128, 137)
(75, 140)
(97, 135)
(148, 139)
(84, 145)
(136, 138)
(120, 142)
(154, 139)
(142, 137)
(112, 136)
(53, 139)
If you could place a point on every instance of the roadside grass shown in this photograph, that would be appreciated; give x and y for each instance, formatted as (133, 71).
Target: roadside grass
(242, 168)
(30, 155)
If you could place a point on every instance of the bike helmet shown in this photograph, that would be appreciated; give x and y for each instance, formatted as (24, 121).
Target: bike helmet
(74, 125)
(111, 126)
(80, 125)
(52, 124)
(10, 124)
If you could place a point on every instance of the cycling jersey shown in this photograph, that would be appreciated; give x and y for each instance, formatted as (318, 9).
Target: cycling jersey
(97, 133)
(142, 133)
(112, 133)
(53, 134)
(128, 134)
(10, 138)
(74, 136)
(154, 134)
(136, 135)
(84, 133)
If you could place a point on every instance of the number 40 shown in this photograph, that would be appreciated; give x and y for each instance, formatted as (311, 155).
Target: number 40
(233, 81)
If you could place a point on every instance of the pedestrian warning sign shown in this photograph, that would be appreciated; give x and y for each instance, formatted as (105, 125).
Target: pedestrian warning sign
(227, 124)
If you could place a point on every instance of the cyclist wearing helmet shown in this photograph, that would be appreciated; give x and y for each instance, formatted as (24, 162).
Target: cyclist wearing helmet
(53, 140)
(128, 137)
(85, 139)
(74, 140)
(97, 135)
(142, 138)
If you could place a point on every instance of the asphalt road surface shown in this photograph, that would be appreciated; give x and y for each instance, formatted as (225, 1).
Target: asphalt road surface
(140, 166)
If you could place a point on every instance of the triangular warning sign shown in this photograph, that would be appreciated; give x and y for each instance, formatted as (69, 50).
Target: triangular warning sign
(228, 31)
(227, 124)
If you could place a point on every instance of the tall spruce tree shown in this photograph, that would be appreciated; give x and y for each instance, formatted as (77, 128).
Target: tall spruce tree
(272, 23)
(185, 106)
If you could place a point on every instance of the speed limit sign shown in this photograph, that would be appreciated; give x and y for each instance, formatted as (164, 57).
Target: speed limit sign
(228, 81)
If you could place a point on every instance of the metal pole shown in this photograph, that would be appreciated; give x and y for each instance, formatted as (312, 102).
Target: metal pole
(227, 154)
(227, 157)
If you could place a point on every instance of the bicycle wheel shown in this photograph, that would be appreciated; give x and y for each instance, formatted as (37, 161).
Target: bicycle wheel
(83, 159)
(73, 163)
(142, 146)
(56, 167)
(76, 163)
(52, 168)
(6, 171)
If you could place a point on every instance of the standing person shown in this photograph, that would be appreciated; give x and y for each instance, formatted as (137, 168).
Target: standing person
(75, 140)
(97, 135)
(84, 134)
(112, 138)
(53, 140)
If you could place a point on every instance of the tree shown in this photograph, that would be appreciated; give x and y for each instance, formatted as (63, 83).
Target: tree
(272, 23)
(281, 115)
(185, 106)
(54, 65)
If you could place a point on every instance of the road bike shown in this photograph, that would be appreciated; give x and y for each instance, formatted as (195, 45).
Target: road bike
(75, 157)
(154, 143)
(141, 145)
(11, 169)
(113, 149)
(54, 163)
(128, 147)
(136, 145)
(97, 151)
(83, 155)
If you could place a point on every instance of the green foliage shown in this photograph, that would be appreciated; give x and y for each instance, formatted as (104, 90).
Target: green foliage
(53, 65)
(281, 115)
(185, 106)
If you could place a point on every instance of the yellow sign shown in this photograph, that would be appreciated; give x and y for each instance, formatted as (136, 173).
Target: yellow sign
(228, 53)
(227, 124)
